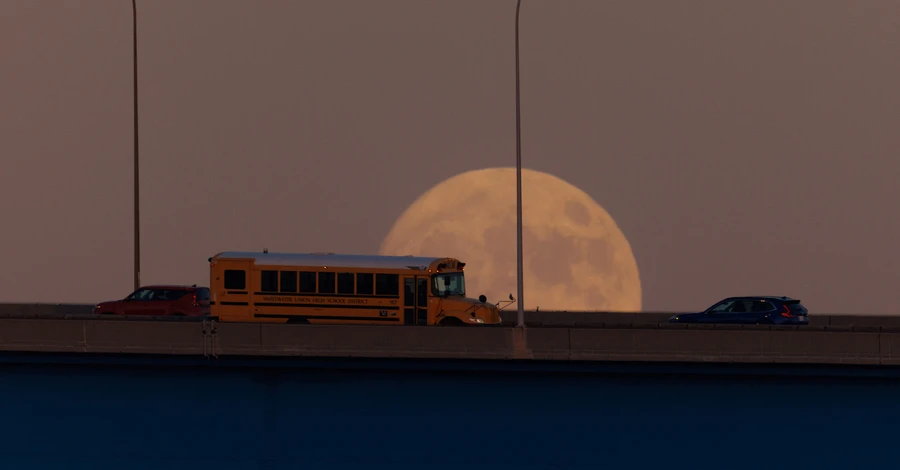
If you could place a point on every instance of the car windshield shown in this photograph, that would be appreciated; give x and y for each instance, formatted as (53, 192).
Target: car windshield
(449, 284)
(140, 294)
(723, 306)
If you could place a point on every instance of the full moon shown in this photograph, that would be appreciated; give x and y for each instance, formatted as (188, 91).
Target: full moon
(575, 257)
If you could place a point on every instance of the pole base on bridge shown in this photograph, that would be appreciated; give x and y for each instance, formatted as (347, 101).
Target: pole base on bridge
(520, 344)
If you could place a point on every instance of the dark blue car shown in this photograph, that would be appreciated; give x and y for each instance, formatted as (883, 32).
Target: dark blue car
(751, 310)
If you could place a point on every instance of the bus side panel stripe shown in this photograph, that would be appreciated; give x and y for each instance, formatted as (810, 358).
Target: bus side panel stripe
(331, 317)
(355, 307)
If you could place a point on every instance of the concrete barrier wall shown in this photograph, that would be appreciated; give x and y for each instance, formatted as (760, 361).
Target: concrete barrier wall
(600, 319)
(727, 346)
(36, 309)
(665, 344)
(104, 336)
(548, 318)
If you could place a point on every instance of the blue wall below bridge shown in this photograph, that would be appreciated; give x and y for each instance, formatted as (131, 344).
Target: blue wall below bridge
(159, 415)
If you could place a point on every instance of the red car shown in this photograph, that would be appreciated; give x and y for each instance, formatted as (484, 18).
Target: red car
(160, 300)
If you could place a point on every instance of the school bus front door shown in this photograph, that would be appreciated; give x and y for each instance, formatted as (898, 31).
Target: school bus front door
(415, 300)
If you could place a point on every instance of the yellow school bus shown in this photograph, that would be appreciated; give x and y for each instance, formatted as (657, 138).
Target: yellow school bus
(328, 288)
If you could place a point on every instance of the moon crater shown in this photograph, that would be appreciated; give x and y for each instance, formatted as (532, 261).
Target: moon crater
(575, 257)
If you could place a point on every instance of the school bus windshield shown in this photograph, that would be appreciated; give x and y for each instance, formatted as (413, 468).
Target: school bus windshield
(449, 284)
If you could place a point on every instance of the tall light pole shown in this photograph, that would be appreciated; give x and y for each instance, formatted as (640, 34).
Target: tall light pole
(137, 218)
(521, 314)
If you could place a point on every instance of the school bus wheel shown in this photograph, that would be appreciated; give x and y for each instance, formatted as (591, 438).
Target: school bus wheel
(451, 321)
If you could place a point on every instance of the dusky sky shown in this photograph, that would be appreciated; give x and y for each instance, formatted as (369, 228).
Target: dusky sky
(743, 147)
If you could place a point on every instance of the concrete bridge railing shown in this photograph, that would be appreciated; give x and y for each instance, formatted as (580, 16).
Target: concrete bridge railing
(533, 318)
(664, 343)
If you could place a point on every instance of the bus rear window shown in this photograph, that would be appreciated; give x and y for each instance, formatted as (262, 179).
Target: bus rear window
(235, 279)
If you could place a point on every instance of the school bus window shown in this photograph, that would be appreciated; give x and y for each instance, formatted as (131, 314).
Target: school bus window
(235, 279)
(345, 283)
(307, 282)
(288, 281)
(268, 281)
(409, 291)
(364, 283)
(387, 284)
(326, 283)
